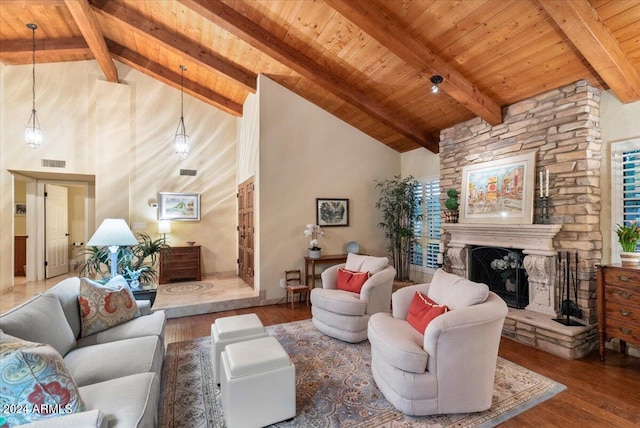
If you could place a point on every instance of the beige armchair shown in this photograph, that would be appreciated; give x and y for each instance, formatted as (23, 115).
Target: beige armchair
(343, 314)
(449, 369)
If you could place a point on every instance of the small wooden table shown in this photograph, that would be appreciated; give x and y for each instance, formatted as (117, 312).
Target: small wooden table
(145, 292)
(331, 259)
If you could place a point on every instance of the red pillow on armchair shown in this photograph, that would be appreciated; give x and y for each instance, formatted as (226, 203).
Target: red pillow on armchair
(352, 281)
(422, 311)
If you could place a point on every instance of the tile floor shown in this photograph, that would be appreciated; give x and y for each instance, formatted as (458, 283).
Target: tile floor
(221, 292)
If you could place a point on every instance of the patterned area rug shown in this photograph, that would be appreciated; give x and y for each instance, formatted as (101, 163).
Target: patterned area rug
(184, 288)
(334, 387)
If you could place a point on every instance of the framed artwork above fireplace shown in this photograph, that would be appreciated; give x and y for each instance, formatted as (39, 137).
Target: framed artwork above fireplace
(499, 191)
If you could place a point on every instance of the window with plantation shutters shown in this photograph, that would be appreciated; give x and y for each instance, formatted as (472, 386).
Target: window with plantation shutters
(625, 189)
(424, 256)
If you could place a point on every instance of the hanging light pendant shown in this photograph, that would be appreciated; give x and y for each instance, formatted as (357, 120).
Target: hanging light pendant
(181, 143)
(33, 133)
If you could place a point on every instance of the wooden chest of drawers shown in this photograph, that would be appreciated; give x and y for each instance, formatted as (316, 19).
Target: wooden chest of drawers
(618, 305)
(179, 264)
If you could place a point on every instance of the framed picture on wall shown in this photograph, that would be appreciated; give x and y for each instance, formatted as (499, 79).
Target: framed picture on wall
(332, 212)
(179, 206)
(21, 208)
(499, 191)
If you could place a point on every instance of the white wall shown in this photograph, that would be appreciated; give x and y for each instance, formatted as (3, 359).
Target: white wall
(306, 153)
(618, 122)
(420, 163)
(121, 134)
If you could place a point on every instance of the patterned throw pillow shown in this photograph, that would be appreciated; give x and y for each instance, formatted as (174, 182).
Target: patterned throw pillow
(351, 281)
(105, 306)
(422, 311)
(34, 383)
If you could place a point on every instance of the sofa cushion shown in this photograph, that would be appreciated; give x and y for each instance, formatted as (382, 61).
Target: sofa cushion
(146, 325)
(342, 302)
(41, 320)
(106, 361)
(35, 380)
(360, 263)
(456, 292)
(67, 293)
(105, 306)
(351, 281)
(422, 311)
(130, 401)
(397, 342)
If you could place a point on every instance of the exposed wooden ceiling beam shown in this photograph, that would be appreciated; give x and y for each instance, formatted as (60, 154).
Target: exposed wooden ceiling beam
(32, 3)
(19, 51)
(582, 25)
(233, 22)
(172, 78)
(388, 32)
(179, 45)
(82, 14)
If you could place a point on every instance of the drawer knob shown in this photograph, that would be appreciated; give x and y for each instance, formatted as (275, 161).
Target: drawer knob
(624, 313)
(624, 294)
(623, 278)
(625, 330)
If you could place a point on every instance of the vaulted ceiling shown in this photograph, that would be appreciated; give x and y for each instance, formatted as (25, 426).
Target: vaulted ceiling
(368, 62)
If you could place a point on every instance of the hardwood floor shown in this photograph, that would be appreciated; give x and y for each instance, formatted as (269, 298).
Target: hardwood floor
(597, 395)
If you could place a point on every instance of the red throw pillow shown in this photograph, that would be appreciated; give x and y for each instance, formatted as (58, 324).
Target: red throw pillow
(422, 311)
(349, 280)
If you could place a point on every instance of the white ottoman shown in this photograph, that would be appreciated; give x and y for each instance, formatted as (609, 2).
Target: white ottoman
(227, 330)
(258, 385)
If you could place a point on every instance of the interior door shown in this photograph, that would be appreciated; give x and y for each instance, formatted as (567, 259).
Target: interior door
(56, 230)
(245, 231)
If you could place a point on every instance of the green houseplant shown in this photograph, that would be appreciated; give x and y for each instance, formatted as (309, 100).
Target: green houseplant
(400, 212)
(451, 203)
(628, 236)
(135, 263)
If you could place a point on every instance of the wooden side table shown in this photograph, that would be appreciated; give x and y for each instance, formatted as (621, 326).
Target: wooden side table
(330, 259)
(145, 292)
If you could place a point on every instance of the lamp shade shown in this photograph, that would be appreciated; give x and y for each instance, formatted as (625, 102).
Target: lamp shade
(112, 231)
(164, 227)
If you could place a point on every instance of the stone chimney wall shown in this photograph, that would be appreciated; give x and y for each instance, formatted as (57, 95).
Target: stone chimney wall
(563, 125)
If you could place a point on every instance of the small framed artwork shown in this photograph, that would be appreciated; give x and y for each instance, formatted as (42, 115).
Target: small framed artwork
(21, 209)
(499, 191)
(332, 212)
(179, 206)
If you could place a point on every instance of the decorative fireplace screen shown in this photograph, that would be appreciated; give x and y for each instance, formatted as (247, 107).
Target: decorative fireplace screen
(501, 269)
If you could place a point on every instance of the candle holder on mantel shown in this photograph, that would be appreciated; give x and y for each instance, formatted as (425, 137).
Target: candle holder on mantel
(543, 203)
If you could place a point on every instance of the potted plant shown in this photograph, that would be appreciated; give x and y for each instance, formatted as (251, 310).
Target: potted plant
(451, 214)
(313, 231)
(628, 236)
(400, 212)
(137, 263)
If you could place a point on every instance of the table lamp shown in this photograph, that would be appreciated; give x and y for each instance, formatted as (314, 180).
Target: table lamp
(113, 233)
(164, 227)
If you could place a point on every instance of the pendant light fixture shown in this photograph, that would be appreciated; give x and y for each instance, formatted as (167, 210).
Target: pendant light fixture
(436, 80)
(181, 143)
(33, 133)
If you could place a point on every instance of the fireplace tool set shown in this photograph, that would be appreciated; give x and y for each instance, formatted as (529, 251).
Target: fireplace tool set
(567, 281)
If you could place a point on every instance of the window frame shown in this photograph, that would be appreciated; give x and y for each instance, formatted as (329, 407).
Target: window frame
(424, 240)
(617, 197)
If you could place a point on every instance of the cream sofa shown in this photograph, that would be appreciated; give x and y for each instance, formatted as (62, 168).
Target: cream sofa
(117, 370)
(451, 367)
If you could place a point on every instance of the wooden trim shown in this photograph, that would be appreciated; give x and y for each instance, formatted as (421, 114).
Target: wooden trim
(171, 78)
(583, 26)
(82, 14)
(387, 32)
(179, 45)
(253, 34)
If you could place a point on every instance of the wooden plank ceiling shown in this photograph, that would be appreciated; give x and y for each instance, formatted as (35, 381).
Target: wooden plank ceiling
(369, 62)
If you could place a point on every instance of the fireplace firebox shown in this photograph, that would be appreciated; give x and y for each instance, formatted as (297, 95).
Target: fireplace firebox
(503, 271)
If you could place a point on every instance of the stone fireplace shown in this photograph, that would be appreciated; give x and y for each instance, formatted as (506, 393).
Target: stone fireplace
(562, 127)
